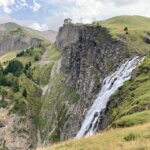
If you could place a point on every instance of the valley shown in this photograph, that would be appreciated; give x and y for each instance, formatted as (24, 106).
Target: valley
(47, 88)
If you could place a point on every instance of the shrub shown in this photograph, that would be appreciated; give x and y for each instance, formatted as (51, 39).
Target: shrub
(131, 137)
(11, 81)
(1, 76)
(24, 93)
(37, 57)
(15, 67)
(27, 66)
(20, 54)
(3, 93)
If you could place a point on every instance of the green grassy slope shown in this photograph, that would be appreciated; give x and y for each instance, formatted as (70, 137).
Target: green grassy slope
(138, 28)
(133, 138)
(28, 80)
(131, 104)
(132, 100)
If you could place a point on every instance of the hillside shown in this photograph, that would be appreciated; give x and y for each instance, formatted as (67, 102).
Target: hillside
(49, 34)
(133, 138)
(23, 76)
(48, 88)
(14, 37)
(44, 35)
(138, 31)
(129, 106)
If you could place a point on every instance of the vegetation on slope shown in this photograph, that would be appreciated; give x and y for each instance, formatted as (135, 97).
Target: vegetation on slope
(133, 138)
(17, 81)
(54, 111)
(138, 31)
(42, 70)
(131, 104)
(36, 74)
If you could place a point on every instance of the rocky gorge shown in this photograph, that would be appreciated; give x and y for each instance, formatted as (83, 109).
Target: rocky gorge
(53, 98)
(88, 55)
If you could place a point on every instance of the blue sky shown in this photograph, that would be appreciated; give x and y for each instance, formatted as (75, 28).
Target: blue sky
(49, 14)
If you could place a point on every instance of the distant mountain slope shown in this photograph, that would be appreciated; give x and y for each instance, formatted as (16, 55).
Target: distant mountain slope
(15, 37)
(49, 34)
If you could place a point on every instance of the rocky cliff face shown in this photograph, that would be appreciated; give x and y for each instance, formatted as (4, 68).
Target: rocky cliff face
(16, 40)
(88, 55)
(16, 131)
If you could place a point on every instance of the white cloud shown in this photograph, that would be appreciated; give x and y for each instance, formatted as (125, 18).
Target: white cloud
(36, 6)
(90, 10)
(23, 3)
(6, 4)
(39, 27)
(10, 5)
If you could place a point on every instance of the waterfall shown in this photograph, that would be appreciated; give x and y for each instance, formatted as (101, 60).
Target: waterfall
(109, 86)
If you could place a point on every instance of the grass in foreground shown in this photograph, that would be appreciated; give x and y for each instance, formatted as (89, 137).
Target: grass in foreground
(133, 138)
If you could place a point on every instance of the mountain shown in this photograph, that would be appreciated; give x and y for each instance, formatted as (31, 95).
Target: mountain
(94, 78)
(14, 37)
(89, 54)
(51, 35)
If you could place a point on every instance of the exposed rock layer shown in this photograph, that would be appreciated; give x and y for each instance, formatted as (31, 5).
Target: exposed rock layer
(16, 40)
(88, 55)
(16, 132)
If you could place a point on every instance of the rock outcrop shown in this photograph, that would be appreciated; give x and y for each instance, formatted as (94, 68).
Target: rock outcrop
(16, 131)
(89, 54)
(16, 40)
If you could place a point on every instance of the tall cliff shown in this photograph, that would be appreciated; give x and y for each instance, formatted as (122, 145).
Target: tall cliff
(88, 54)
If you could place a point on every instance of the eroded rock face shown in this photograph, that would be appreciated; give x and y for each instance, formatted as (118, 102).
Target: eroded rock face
(16, 40)
(16, 132)
(88, 55)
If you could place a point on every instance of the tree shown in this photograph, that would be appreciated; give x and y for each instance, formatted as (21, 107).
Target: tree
(15, 67)
(24, 93)
(37, 57)
(3, 93)
(11, 81)
(27, 66)
(20, 54)
(1, 74)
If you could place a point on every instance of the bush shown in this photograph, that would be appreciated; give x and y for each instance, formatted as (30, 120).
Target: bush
(3, 93)
(15, 67)
(24, 93)
(131, 137)
(27, 66)
(37, 57)
(11, 81)
(1, 76)
(20, 54)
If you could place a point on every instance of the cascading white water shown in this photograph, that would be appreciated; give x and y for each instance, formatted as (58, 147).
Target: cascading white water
(109, 86)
